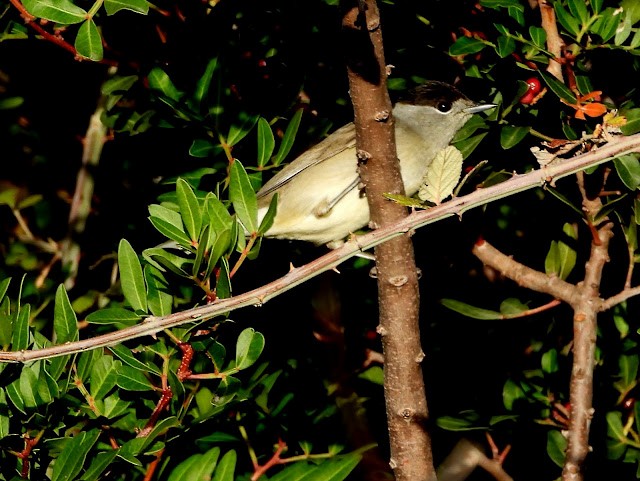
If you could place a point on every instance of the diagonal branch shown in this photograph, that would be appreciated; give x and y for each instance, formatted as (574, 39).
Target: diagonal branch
(256, 297)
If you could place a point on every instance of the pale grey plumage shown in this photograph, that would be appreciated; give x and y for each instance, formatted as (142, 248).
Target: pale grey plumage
(312, 203)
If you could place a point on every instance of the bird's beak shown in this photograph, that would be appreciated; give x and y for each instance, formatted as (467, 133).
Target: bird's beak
(479, 108)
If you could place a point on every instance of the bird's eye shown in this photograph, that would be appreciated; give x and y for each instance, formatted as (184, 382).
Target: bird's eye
(444, 107)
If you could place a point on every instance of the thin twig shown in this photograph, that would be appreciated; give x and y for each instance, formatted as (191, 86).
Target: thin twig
(152, 325)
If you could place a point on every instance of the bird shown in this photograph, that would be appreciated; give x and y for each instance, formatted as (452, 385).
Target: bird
(319, 194)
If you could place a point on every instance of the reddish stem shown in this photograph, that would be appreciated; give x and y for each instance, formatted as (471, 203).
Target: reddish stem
(275, 459)
(167, 394)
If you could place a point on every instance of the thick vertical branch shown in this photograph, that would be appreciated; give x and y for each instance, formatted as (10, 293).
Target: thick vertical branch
(584, 343)
(398, 293)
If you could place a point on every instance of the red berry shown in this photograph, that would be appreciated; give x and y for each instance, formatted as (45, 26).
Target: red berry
(534, 85)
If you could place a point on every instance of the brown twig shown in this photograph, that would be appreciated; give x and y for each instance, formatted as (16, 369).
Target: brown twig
(555, 44)
(259, 470)
(55, 39)
(29, 444)
(257, 297)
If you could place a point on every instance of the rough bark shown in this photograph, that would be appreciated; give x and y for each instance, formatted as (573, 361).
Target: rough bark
(398, 294)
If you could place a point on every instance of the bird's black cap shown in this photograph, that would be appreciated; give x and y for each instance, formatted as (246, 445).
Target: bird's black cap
(432, 93)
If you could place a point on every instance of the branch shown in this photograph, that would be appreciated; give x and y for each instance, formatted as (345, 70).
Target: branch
(519, 183)
(523, 275)
(555, 44)
(584, 342)
(398, 289)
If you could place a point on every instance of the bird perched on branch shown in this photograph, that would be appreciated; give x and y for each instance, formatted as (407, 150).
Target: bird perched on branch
(319, 194)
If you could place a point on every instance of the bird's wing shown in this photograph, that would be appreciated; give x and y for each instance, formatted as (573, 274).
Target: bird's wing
(342, 139)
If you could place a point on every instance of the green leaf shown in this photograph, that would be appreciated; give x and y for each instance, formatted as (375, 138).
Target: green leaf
(168, 215)
(628, 370)
(564, 200)
(470, 311)
(159, 298)
(4, 418)
(29, 201)
(467, 146)
(104, 374)
(511, 392)
(197, 467)
(9, 197)
(21, 336)
(71, 460)
(59, 11)
(101, 462)
(538, 36)
(623, 31)
(4, 285)
(220, 245)
(578, 9)
(137, 6)
(203, 247)
(248, 348)
(550, 361)
(334, 469)
(131, 379)
(566, 19)
(454, 423)
(11, 103)
(512, 307)
(85, 363)
(114, 315)
(65, 323)
(89, 42)
(556, 447)
(225, 469)
(510, 136)
(239, 132)
(288, 138)
(65, 327)
(171, 231)
(126, 355)
(163, 260)
(628, 169)
(204, 83)
(243, 197)
(28, 385)
(606, 25)
(202, 148)
(497, 4)
(189, 210)
(466, 45)
(558, 88)
(506, 46)
(632, 125)
(615, 428)
(219, 217)
(442, 176)
(160, 81)
(266, 142)
(269, 217)
(561, 258)
(374, 374)
(632, 9)
(113, 406)
(226, 391)
(131, 278)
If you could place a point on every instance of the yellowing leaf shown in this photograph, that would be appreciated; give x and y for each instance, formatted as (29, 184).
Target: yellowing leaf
(443, 175)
